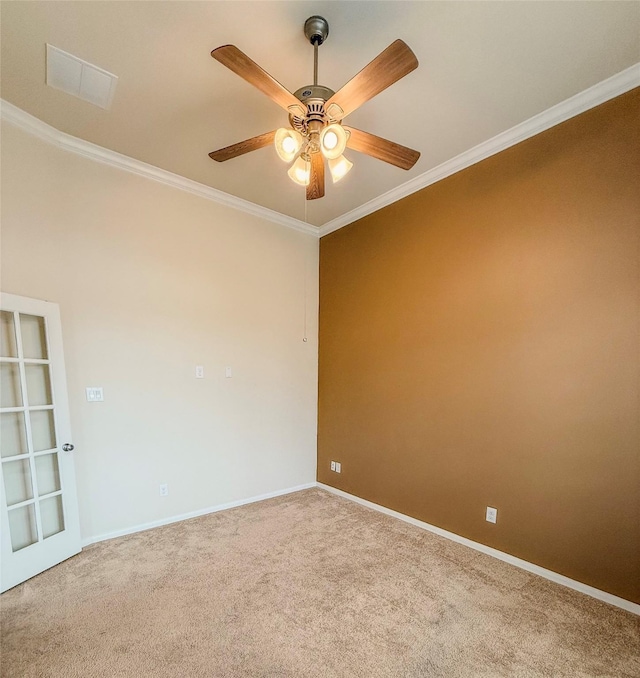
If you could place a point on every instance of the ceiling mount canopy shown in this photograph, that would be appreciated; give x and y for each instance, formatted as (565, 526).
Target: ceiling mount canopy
(316, 112)
(316, 28)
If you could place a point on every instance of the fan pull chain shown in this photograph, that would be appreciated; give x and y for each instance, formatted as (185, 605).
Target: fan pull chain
(306, 202)
(304, 336)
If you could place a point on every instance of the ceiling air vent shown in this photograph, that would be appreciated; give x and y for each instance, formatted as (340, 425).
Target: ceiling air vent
(79, 78)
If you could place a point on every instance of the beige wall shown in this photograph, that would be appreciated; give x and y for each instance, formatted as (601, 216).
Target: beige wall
(479, 346)
(152, 281)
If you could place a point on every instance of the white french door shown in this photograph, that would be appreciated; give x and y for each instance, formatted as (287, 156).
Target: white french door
(38, 501)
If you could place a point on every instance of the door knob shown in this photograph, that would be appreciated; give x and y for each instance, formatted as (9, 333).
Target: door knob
(67, 447)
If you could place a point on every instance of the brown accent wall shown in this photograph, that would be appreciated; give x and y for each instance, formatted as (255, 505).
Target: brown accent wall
(479, 346)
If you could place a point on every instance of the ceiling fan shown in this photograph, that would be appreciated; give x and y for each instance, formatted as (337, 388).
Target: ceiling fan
(316, 112)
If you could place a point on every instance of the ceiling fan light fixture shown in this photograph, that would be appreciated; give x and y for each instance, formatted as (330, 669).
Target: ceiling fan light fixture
(330, 140)
(316, 112)
(287, 142)
(339, 167)
(300, 171)
(333, 141)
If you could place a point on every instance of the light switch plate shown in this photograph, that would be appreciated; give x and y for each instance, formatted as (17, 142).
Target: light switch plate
(227, 372)
(95, 394)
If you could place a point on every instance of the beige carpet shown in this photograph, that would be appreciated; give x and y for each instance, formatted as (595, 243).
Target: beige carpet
(304, 585)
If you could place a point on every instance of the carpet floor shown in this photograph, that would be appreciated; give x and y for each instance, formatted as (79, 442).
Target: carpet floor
(308, 584)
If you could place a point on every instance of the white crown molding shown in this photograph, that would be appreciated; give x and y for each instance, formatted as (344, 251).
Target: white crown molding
(607, 89)
(500, 555)
(32, 125)
(593, 96)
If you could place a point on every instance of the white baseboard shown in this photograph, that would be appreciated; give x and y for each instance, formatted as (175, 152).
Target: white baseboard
(193, 514)
(500, 555)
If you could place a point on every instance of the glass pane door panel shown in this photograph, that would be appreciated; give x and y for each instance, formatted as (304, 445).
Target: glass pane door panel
(47, 474)
(13, 438)
(38, 502)
(22, 526)
(34, 337)
(10, 392)
(17, 481)
(52, 516)
(8, 347)
(43, 431)
(38, 384)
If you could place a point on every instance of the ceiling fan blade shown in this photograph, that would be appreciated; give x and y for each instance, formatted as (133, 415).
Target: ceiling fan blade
(315, 189)
(380, 148)
(388, 67)
(237, 61)
(243, 147)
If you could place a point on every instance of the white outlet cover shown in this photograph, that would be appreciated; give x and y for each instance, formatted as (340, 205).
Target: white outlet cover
(199, 371)
(338, 467)
(95, 394)
(492, 515)
(227, 372)
(333, 465)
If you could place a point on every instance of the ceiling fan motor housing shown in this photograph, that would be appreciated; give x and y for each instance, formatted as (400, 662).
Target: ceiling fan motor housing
(313, 92)
(314, 98)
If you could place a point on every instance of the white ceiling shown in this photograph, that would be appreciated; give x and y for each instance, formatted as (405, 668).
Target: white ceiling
(484, 67)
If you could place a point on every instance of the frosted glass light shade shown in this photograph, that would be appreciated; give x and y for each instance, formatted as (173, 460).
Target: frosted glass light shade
(333, 141)
(300, 171)
(339, 167)
(287, 143)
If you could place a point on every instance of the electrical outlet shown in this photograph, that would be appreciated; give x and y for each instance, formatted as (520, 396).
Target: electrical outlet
(164, 489)
(338, 467)
(333, 465)
(492, 515)
(199, 371)
(95, 394)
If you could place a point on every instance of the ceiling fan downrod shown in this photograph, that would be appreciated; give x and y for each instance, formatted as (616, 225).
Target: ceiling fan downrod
(316, 28)
(314, 97)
